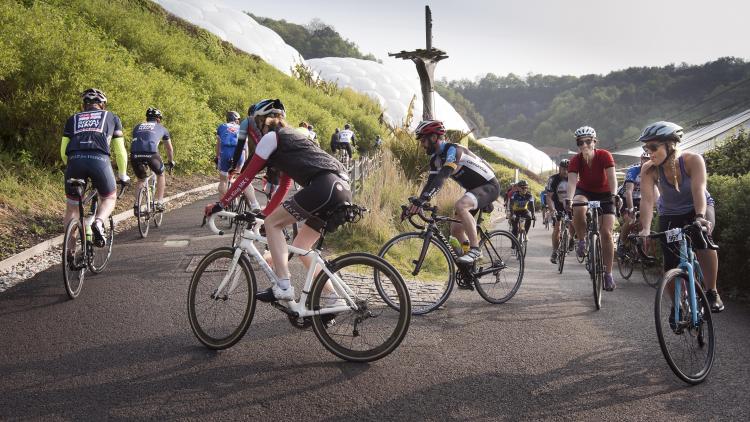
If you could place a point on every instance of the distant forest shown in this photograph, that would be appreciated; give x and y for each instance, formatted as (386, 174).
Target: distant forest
(314, 40)
(546, 109)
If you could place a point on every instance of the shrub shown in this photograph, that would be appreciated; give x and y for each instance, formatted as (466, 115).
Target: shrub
(732, 157)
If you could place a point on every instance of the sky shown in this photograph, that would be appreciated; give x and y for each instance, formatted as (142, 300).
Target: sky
(558, 37)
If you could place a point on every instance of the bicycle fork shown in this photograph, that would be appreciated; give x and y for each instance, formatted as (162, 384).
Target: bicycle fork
(230, 275)
(692, 295)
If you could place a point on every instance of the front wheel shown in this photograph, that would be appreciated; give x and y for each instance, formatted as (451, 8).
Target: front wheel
(499, 272)
(562, 250)
(624, 255)
(100, 256)
(74, 258)
(143, 211)
(687, 344)
(377, 327)
(597, 268)
(219, 314)
(429, 285)
(652, 272)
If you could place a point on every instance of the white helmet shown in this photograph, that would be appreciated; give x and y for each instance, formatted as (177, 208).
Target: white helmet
(585, 131)
(662, 131)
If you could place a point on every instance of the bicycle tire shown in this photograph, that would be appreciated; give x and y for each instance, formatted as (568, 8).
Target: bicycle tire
(524, 242)
(388, 323)
(74, 270)
(100, 256)
(502, 284)
(597, 267)
(158, 215)
(625, 260)
(652, 273)
(435, 286)
(144, 211)
(562, 250)
(701, 338)
(201, 292)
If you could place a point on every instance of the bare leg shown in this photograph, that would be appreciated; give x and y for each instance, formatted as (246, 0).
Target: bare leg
(608, 246)
(579, 217)
(161, 182)
(222, 185)
(463, 206)
(709, 260)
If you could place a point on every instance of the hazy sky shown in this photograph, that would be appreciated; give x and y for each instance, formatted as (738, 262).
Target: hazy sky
(539, 36)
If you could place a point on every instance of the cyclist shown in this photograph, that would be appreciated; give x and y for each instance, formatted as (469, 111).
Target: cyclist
(347, 139)
(247, 130)
(468, 170)
(631, 194)
(378, 142)
(87, 140)
(335, 141)
(557, 192)
(144, 152)
(313, 135)
(522, 205)
(226, 141)
(592, 172)
(681, 177)
(325, 184)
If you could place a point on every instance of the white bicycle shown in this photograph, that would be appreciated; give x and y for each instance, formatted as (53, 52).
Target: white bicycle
(356, 323)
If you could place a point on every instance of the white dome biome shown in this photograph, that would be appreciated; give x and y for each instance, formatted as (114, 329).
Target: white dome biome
(523, 153)
(237, 28)
(391, 88)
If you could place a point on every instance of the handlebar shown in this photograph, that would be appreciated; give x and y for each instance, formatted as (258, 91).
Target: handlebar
(123, 187)
(697, 233)
(248, 217)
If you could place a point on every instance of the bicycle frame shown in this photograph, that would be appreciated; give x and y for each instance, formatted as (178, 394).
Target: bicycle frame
(687, 263)
(298, 308)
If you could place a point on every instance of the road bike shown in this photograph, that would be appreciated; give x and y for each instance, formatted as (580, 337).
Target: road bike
(79, 252)
(267, 189)
(429, 264)
(523, 237)
(681, 310)
(342, 155)
(359, 322)
(563, 239)
(146, 210)
(593, 255)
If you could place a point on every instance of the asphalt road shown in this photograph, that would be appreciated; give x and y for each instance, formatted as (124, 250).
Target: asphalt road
(124, 350)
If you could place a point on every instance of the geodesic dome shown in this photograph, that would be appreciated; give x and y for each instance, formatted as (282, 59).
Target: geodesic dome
(523, 153)
(392, 89)
(236, 27)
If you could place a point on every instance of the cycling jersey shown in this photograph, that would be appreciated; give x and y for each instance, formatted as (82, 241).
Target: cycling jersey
(520, 201)
(542, 198)
(147, 136)
(91, 131)
(227, 133)
(633, 175)
(592, 178)
(558, 187)
(346, 136)
(469, 170)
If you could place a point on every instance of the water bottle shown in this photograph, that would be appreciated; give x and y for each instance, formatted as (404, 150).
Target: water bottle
(87, 224)
(465, 246)
(456, 245)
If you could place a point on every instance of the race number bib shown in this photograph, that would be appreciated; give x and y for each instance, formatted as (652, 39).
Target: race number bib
(674, 235)
(594, 204)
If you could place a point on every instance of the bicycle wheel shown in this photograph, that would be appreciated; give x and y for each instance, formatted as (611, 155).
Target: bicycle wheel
(580, 259)
(100, 256)
(144, 211)
(432, 285)
(652, 272)
(158, 215)
(562, 250)
(597, 268)
(625, 259)
(74, 258)
(377, 327)
(239, 226)
(524, 242)
(503, 281)
(687, 347)
(220, 320)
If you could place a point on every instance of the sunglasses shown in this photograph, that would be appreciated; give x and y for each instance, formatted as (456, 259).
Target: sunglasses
(587, 142)
(651, 147)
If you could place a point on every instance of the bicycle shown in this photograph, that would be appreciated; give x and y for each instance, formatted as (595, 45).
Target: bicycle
(431, 263)
(563, 239)
(628, 257)
(681, 310)
(523, 238)
(593, 255)
(342, 155)
(145, 204)
(79, 252)
(223, 286)
(546, 218)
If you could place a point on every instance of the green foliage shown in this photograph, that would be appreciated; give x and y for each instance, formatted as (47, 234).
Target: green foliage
(548, 108)
(314, 40)
(141, 56)
(464, 107)
(732, 158)
(732, 195)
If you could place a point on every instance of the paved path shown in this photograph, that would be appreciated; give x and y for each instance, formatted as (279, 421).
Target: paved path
(124, 350)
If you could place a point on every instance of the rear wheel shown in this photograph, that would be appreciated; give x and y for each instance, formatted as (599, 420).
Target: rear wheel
(158, 215)
(503, 281)
(100, 256)
(143, 210)
(624, 257)
(74, 258)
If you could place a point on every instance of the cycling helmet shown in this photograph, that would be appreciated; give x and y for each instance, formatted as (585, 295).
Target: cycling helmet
(250, 110)
(564, 163)
(232, 116)
(585, 131)
(268, 106)
(429, 127)
(522, 184)
(93, 96)
(153, 113)
(346, 126)
(662, 131)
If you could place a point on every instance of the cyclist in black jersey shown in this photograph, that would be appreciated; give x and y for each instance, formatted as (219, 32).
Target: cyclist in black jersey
(468, 170)
(557, 192)
(325, 187)
(144, 152)
(88, 139)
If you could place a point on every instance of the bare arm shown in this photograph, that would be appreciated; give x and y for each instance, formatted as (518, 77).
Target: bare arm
(170, 150)
(696, 169)
(629, 187)
(572, 182)
(612, 180)
(648, 197)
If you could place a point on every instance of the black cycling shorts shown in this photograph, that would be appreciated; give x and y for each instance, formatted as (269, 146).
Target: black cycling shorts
(671, 252)
(90, 166)
(608, 208)
(323, 194)
(484, 194)
(143, 160)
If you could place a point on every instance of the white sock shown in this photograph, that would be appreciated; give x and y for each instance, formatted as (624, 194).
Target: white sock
(255, 205)
(283, 283)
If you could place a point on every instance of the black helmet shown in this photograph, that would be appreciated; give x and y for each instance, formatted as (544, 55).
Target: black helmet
(522, 184)
(662, 131)
(346, 126)
(232, 116)
(564, 163)
(153, 114)
(93, 96)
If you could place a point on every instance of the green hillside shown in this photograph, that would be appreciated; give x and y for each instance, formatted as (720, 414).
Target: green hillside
(546, 109)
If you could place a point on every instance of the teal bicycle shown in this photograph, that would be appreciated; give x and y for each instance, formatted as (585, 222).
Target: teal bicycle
(681, 309)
